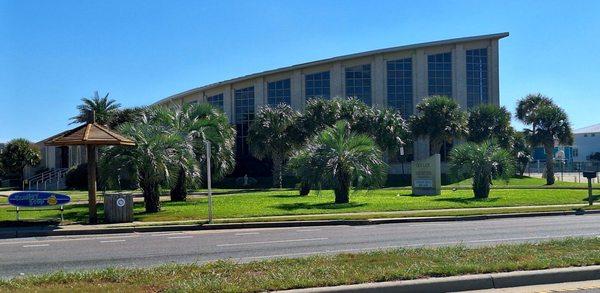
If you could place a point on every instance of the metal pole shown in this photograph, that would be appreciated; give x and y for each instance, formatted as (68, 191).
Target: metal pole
(208, 182)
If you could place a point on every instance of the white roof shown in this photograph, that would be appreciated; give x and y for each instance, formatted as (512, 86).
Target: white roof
(339, 58)
(590, 129)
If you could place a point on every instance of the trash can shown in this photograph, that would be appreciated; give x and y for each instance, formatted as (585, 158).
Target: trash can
(118, 208)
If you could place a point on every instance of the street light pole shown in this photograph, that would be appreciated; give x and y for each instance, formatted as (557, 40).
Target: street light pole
(208, 182)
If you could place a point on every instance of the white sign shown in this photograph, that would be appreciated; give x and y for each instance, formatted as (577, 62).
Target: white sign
(423, 183)
(120, 202)
(426, 176)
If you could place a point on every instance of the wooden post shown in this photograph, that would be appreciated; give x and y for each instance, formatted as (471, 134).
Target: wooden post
(91, 168)
(590, 196)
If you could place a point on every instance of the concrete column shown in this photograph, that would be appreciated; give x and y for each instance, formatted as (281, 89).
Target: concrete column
(259, 93)
(493, 73)
(378, 82)
(297, 100)
(228, 103)
(337, 76)
(420, 76)
(421, 144)
(459, 89)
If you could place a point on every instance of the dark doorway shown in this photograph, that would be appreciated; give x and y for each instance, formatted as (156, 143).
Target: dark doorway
(64, 157)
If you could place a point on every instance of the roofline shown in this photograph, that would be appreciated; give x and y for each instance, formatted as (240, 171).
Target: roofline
(582, 130)
(335, 59)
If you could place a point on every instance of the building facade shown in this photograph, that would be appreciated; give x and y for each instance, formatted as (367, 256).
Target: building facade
(465, 69)
(587, 143)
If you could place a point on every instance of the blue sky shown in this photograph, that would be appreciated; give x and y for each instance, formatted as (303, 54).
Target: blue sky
(53, 53)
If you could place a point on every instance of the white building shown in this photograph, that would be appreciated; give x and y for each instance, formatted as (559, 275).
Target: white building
(587, 142)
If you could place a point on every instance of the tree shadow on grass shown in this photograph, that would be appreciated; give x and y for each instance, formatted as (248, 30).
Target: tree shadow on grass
(317, 206)
(287, 196)
(418, 195)
(468, 200)
(595, 198)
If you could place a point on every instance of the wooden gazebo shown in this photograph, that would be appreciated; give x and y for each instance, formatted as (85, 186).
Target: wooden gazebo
(91, 135)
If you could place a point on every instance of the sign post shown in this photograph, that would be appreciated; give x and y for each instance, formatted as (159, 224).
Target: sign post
(427, 176)
(590, 175)
(35, 199)
(208, 181)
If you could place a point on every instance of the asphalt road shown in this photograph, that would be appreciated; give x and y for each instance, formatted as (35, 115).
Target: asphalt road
(44, 254)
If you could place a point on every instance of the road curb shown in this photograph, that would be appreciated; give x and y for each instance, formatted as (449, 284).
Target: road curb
(470, 282)
(17, 232)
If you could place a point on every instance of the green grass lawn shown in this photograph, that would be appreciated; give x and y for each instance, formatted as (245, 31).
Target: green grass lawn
(287, 202)
(323, 270)
(530, 182)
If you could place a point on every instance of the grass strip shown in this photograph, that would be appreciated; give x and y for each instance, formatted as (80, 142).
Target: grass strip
(321, 270)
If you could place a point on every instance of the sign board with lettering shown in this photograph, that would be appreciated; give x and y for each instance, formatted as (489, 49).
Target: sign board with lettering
(427, 176)
(37, 199)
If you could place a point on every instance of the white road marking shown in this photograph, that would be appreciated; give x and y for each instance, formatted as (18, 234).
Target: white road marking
(113, 241)
(248, 233)
(270, 242)
(180, 237)
(67, 239)
(307, 230)
(36, 245)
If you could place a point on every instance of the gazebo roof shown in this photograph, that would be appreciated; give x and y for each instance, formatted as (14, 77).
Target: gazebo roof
(88, 134)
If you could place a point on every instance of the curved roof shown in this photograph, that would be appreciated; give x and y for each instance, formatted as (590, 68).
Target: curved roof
(334, 59)
(590, 129)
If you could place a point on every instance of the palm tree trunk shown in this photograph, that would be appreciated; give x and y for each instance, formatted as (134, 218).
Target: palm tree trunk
(304, 188)
(436, 146)
(342, 191)
(277, 170)
(549, 164)
(481, 186)
(179, 192)
(151, 196)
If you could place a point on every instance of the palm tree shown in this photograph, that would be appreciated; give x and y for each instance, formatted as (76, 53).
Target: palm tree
(156, 158)
(271, 136)
(121, 116)
(196, 124)
(105, 110)
(385, 126)
(549, 124)
(439, 118)
(521, 152)
(483, 162)
(490, 122)
(338, 157)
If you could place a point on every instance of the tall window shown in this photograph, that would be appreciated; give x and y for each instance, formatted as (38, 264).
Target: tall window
(399, 86)
(317, 85)
(477, 77)
(439, 69)
(244, 114)
(358, 82)
(216, 101)
(278, 92)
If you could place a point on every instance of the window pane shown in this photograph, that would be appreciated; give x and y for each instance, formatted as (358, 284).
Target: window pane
(477, 83)
(316, 85)
(358, 82)
(439, 72)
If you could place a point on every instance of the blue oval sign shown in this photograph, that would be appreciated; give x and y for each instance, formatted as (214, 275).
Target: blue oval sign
(37, 199)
